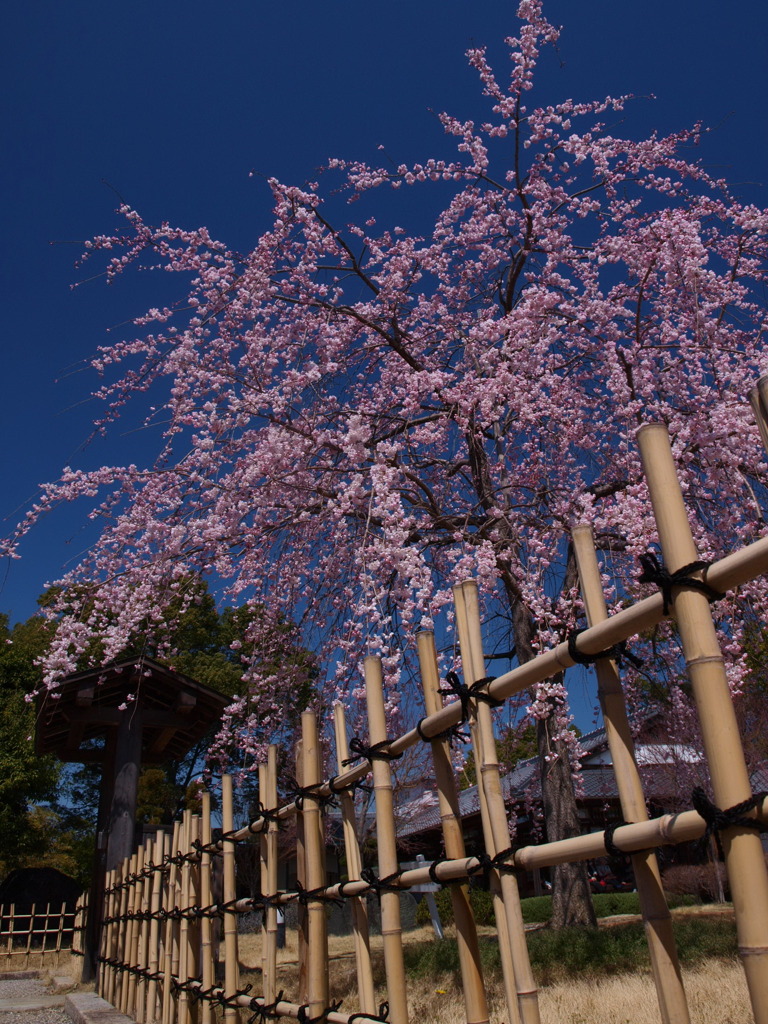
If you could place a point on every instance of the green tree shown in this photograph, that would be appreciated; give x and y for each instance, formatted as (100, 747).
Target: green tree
(25, 778)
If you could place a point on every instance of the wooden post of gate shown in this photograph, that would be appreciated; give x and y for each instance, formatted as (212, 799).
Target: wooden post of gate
(743, 851)
(365, 990)
(314, 839)
(653, 905)
(450, 818)
(391, 930)
(231, 966)
(473, 663)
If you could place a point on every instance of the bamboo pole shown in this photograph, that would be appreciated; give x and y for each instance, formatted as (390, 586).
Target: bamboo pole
(269, 880)
(153, 957)
(109, 987)
(137, 887)
(365, 990)
(653, 905)
(473, 663)
(387, 846)
(206, 899)
(743, 851)
(171, 943)
(193, 935)
(105, 937)
(317, 925)
(231, 966)
(301, 880)
(124, 942)
(184, 971)
(140, 1005)
(476, 1007)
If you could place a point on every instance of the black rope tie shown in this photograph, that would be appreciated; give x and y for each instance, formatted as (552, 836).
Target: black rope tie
(620, 652)
(433, 872)
(452, 733)
(466, 694)
(319, 895)
(263, 1011)
(654, 571)
(303, 1013)
(301, 793)
(483, 866)
(270, 815)
(732, 817)
(380, 885)
(375, 752)
(610, 847)
(382, 1017)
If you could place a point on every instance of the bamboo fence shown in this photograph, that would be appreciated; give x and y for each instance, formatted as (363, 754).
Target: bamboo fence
(160, 955)
(41, 929)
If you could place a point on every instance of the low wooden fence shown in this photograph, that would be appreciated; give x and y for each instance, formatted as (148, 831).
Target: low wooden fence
(159, 945)
(41, 930)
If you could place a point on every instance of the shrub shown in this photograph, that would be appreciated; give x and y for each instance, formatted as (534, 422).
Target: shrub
(698, 880)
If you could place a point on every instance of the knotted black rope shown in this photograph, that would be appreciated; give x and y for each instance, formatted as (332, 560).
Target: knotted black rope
(375, 752)
(453, 732)
(265, 1011)
(466, 694)
(271, 815)
(433, 872)
(610, 847)
(380, 885)
(319, 895)
(732, 817)
(260, 900)
(654, 571)
(382, 1017)
(302, 1015)
(619, 652)
(301, 793)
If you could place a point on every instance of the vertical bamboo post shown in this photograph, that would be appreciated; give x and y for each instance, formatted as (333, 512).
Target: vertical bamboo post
(743, 851)
(184, 973)
(268, 842)
(107, 978)
(171, 942)
(653, 905)
(60, 931)
(453, 839)
(137, 887)
(124, 946)
(231, 966)
(473, 662)
(154, 927)
(206, 899)
(365, 990)
(193, 936)
(301, 879)
(314, 839)
(391, 930)
(46, 924)
(146, 888)
(29, 935)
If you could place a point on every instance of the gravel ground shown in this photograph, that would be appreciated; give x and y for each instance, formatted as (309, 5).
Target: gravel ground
(29, 988)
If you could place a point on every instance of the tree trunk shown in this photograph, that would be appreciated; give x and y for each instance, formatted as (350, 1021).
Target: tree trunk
(571, 896)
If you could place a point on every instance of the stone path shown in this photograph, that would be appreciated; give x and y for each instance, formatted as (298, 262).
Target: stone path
(25, 998)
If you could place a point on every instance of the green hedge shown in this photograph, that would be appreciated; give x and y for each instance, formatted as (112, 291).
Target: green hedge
(538, 909)
(583, 952)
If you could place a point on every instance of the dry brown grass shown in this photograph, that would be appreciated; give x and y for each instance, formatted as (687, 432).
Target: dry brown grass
(716, 990)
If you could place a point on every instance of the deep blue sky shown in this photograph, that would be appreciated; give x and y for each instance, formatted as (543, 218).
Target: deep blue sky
(173, 102)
